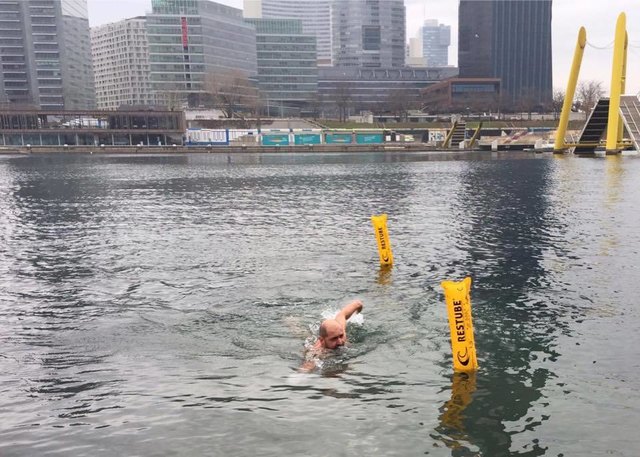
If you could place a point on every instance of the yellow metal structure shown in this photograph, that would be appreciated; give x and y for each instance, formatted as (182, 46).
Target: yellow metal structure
(623, 83)
(475, 136)
(447, 140)
(617, 84)
(560, 145)
(615, 125)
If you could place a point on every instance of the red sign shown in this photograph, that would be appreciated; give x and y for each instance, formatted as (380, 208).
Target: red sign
(185, 32)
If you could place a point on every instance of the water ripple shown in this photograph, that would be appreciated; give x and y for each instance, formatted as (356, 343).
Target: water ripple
(160, 305)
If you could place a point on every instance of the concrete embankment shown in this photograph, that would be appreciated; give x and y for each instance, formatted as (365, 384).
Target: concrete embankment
(390, 147)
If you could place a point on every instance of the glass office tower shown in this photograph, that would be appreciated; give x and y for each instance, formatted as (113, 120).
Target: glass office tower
(510, 40)
(46, 54)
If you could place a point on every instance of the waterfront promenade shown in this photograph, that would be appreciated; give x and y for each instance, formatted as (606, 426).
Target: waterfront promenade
(216, 149)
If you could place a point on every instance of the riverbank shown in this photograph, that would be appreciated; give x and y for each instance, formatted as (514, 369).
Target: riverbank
(390, 147)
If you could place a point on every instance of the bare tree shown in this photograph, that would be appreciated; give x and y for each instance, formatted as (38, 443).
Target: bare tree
(528, 101)
(315, 104)
(589, 92)
(399, 102)
(342, 99)
(255, 106)
(173, 100)
(505, 103)
(557, 102)
(493, 104)
(231, 91)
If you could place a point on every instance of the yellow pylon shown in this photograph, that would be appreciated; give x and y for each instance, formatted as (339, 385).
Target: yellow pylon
(617, 84)
(559, 145)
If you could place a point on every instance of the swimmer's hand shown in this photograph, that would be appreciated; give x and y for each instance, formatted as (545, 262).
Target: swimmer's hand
(307, 367)
(345, 313)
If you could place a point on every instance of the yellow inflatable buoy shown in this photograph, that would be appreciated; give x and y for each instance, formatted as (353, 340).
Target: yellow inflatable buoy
(463, 344)
(382, 237)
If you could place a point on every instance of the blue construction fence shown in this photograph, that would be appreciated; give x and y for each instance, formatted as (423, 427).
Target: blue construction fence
(276, 137)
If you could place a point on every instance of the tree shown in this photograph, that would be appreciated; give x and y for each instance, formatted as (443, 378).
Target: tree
(557, 102)
(505, 103)
(231, 91)
(342, 99)
(173, 100)
(315, 105)
(589, 92)
(399, 102)
(255, 106)
(528, 101)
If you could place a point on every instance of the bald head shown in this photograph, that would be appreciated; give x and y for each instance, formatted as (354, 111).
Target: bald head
(332, 334)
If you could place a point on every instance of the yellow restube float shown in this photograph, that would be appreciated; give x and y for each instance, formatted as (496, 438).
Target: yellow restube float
(463, 345)
(382, 237)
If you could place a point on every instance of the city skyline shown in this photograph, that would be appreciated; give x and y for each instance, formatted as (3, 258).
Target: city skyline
(598, 18)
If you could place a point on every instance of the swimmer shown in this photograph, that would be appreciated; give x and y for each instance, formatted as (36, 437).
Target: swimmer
(332, 333)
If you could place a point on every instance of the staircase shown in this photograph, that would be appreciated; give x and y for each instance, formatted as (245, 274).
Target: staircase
(630, 111)
(594, 128)
(456, 135)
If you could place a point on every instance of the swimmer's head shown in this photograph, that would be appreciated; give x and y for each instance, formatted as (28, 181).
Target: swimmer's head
(332, 334)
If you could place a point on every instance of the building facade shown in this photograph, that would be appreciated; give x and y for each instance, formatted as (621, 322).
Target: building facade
(368, 33)
(63, 128)
(314, 14)
(120, 53)
(509, 40)
(192, 41)
(462, 95)
(378, 90)
(287, 65)
(45, 54)
(77, 68)
(436, 39)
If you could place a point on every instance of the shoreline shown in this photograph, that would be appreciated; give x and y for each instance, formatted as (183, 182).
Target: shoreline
(254, 149)
(393, 147)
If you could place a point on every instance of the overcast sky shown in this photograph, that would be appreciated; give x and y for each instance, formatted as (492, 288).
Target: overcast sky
(598, 16)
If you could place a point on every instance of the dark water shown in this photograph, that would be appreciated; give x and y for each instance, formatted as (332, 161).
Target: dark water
(158, 306)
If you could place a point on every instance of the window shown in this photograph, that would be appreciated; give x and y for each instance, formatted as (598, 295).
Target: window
(370, 38)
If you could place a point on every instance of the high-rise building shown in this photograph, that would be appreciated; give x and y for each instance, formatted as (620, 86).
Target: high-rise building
(509, 40)
(314, 14)
(413, 56)
(45, 53)
(120, 53)
(436, 39)
(77, 69)
(368, 33)
(287, 65)
(193, 40)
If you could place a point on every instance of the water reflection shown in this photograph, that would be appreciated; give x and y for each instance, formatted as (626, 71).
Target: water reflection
(385, 277)
(507, 232)
(452, 431)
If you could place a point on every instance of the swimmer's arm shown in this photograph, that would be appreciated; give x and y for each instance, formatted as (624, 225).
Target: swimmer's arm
(308, 366)
(346, 312)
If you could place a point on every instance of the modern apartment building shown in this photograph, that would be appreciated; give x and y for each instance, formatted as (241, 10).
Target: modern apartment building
(436, 39)
(314, 14)
(509, 40)
(191, 40)
(368, 33)
(120, 53)
(287, 65)
(45, 54)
